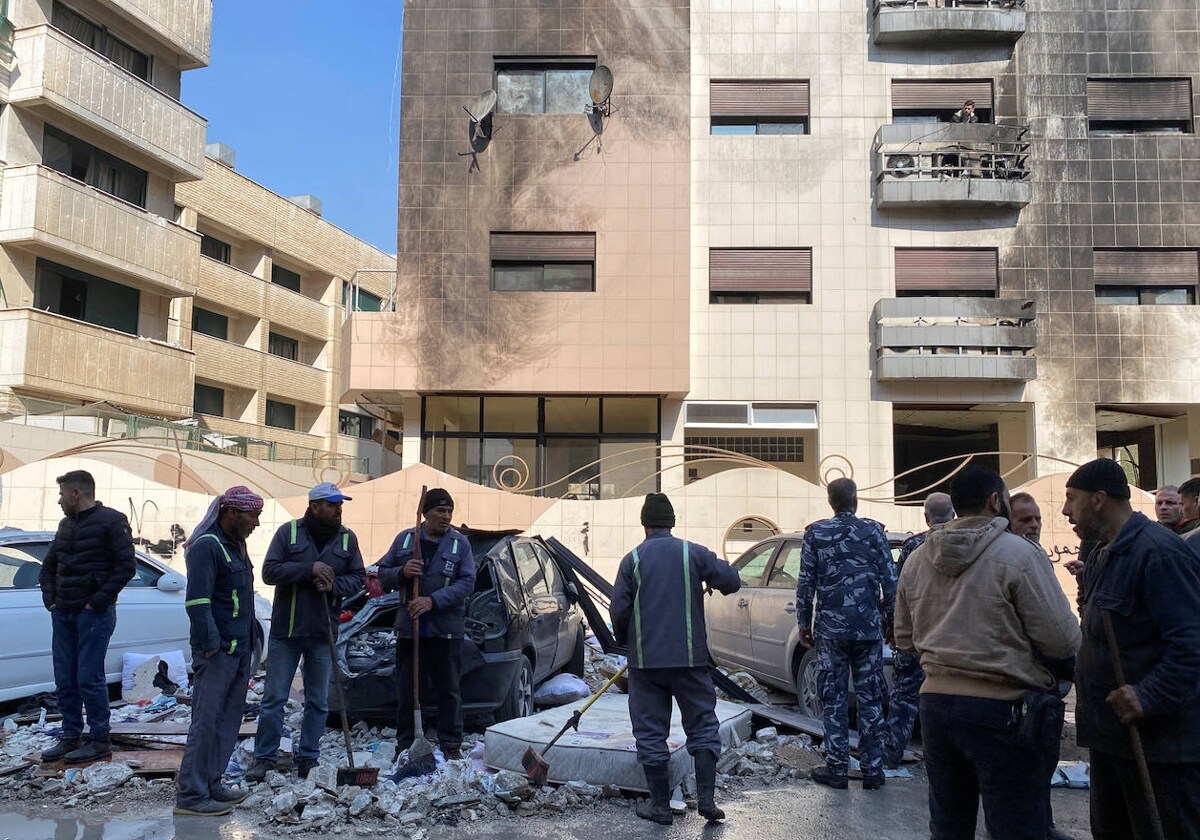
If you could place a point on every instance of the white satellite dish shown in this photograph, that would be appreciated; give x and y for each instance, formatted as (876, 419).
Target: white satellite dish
(600, 85)
(480, 110)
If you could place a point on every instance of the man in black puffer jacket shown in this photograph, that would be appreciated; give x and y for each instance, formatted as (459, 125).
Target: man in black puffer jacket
(88, 564)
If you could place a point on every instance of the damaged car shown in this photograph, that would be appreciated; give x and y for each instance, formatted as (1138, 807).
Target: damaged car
(523, 626)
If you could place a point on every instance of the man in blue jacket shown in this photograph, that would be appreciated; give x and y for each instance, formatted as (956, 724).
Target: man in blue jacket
(314, 563)
(447, 574)
(220, 608)
(1147, 581)
(657, 612)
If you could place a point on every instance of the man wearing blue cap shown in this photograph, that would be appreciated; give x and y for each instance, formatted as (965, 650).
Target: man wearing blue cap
(314, 563)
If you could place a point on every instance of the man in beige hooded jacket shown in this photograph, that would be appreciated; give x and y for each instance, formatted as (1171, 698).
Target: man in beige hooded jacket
(981, 607)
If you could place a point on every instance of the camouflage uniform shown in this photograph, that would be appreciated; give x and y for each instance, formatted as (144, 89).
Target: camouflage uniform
(845, 564)
(907, 677)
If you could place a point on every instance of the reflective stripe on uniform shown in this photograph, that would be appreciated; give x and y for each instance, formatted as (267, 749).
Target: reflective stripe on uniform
(236, 605)
(687, 600)
(345, 541)
(233, 646)
(195, 602)
(292, 614)
(294, 521)
(407, 540)
(637, 605)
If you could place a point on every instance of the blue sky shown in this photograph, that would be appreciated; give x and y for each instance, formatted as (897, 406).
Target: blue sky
(309, 99)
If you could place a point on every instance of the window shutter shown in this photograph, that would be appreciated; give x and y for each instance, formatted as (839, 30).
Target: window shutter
(1145, 268)
(760, 270)
(946, 269)
(915, 94)
(543, 247)
(759, 98)
(1139, 99)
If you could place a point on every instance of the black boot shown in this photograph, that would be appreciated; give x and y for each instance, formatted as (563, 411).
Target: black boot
(706, 785)
(64, 746)
(92, 750)
(658, 807)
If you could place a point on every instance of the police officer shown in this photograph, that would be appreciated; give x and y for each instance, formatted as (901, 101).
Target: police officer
(845, 564)
(314, 563)
(907, 675)
(657, 612)
(447, 574)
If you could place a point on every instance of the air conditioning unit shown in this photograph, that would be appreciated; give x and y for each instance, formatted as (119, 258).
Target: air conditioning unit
(900, 165)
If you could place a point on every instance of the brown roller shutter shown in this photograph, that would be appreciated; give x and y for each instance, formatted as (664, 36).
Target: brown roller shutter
(913, 94)
(760, 270)
(758, 99)
(1146, 268)
(946, 269)
(1139, 99)
(543, 247)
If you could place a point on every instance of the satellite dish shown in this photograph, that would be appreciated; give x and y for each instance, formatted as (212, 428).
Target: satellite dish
(600, 85)
(480, 110)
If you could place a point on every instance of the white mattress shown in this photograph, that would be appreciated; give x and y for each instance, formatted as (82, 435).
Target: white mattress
(602, 752)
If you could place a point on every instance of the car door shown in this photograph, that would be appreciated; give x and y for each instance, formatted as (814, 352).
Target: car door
(565, 629)
(543, 608)
(150, 619)
(728, 616)
(26, 664)
(773, 616)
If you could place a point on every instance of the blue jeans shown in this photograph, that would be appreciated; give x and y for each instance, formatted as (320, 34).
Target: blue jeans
(79, 645)
(281, 668)
(971, 752)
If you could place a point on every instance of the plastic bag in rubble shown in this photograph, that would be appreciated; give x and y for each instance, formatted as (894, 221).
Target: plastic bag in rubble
(560, 689)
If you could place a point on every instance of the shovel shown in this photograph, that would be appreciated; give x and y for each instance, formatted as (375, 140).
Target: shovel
(361, 776)
(537, 768)
(420, 754)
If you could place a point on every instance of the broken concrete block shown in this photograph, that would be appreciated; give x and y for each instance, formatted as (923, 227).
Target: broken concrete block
(766, 735)
(276, 779)
(106, 776)
(324, 776)
(284, 803)
(456, 801)
(411, 817)
(384, 755)
(360, 804)
(143, 687)
(318, 812)
(585, 791)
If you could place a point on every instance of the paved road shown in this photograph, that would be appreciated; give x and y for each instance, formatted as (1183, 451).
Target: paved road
(898, 812)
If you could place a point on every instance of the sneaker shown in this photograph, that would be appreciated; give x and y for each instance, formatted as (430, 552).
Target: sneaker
(825, 776)
(92, 750)
(207, 808)
(874, 782)
(305, 767)
(229, 795)
(258, 771)
(64, 746)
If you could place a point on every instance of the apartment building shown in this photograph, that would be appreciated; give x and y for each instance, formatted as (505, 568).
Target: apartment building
(788, 239)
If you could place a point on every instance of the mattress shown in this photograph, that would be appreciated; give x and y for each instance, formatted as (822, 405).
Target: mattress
(602, 752)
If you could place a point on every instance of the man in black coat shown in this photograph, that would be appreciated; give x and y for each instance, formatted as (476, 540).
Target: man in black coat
(88, 563)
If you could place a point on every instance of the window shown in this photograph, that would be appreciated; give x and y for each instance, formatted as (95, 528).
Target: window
(281, 276)
(929, 100)
(785, 574)
(97, 38)
(1145, 277)
(210, 323)
(356, 425)
(760, 275)
(543, 262)
(751, 567)
(947, 272)
(215, 249)
(85, 297)
(209, 399)
(758, 107)
(281, 415)
(84, 162)
(1134, 106)
(354, 299)
(283, 346)
(543, 85)
(18, 568)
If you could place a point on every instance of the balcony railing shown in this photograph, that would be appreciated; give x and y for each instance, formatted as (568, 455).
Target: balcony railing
(936, 21)
(955, 338)
(951, 165)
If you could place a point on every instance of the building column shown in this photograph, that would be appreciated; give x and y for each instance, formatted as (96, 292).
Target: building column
(1064, 430)
(673, 475)
(1015, 433)
(410, 447)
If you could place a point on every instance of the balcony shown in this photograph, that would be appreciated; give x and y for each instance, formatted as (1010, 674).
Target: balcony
(182, 26)
(66, 83)
(296, 312)
(48, 355)
(67, 221)
(236, 289)
(943, 22)
(955, 338)
(242, 367)
(951, 165)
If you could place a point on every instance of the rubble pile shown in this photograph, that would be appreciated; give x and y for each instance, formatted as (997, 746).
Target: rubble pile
(372, 651)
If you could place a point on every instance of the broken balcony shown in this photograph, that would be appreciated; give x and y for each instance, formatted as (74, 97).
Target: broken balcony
(944, 22)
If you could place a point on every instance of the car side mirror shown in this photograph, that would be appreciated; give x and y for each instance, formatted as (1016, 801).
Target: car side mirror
(171, 582)
(572, 592)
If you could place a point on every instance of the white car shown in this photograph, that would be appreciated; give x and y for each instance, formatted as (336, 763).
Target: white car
(150, 616)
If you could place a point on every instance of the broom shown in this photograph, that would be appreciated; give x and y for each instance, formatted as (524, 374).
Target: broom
(361, 776)
(537, 768)
(421, 760)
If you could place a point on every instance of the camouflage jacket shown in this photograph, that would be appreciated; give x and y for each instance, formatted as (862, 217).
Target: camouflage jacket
(846, 569)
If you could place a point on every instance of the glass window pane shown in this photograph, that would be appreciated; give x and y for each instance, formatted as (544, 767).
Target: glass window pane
(281, 415)
(530, 569)
(210, 323)
(18, 570)
(786, 572)
(521, 91)
(781, 128)
(572, 414)
(452, 455)
(510, 414)
(1155, 296)
(571, 468)
(517, 278)
(1117, 296)
(568, 277)
(281, 276)
(210, 400)
(567, 91)
(509, 464)
(631, 415)
(628, 468)
(750, 566)
(557, 586)
(451, 414)
(744, 129)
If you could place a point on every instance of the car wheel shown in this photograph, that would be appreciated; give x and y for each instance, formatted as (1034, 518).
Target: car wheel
(808, 695)
(575, 666)
(518, 702)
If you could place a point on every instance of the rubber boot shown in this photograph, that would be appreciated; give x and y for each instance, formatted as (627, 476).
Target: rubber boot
(706, 785)
(658, 807)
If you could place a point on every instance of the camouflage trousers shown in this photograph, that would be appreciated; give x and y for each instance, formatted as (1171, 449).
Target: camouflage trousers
(907, 677)
(837, 661)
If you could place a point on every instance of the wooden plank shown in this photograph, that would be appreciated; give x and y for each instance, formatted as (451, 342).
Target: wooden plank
(170, 728)
(150, 763)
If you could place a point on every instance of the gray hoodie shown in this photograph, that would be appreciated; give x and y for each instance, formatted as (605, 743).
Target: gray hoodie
(979, 605)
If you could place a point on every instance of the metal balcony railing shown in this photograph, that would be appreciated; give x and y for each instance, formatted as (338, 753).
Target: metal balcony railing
(951, 150)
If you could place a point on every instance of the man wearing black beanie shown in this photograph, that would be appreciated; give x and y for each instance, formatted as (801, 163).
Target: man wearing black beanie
(1146, 580)
(657, 611)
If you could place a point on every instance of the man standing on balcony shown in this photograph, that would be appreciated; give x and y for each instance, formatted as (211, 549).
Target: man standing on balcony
(965, 114)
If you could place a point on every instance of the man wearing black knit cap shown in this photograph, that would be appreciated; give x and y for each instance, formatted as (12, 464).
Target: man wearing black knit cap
(447, 574)
(657, 611)
(1147, 580)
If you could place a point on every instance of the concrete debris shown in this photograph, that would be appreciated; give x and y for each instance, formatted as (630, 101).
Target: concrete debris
(106, 776)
